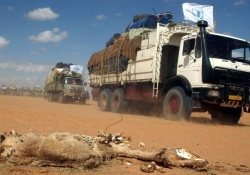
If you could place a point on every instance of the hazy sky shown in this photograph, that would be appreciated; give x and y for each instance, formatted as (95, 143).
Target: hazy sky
(36, 34)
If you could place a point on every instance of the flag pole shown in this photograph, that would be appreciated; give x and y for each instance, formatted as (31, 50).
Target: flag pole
(214, 20)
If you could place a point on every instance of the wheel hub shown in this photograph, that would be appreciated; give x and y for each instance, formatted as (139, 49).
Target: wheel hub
(174, 105)
(115, 101)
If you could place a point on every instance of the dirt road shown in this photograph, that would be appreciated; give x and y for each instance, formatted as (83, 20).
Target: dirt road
(227, 148)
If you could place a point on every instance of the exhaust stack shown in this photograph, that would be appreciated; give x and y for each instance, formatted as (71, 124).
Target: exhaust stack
(206, 65)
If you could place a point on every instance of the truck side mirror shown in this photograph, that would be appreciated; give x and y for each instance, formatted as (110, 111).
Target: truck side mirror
(192, 52)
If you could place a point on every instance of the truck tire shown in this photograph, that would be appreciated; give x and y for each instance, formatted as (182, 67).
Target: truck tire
(104, 100)
(177, 104)
(225, 115)
(50, 97)
(44, 95)
(118, 104)
(83, 101)
(62, 98)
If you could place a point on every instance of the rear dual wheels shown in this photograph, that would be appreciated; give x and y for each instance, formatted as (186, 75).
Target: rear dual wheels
(50, 97)
(118, 104)
(113, 101)
(104, 99)
(177, 105)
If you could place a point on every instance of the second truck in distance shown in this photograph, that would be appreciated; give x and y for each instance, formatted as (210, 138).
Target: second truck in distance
(65, 84)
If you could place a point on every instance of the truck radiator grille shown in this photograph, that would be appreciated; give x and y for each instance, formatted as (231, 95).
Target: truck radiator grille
(79, 91)
(234, 80)
(76, 90)
(72, 90)
(232, 83)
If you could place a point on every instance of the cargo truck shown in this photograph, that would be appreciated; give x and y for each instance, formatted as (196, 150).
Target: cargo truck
(180, 67)
(65, 84)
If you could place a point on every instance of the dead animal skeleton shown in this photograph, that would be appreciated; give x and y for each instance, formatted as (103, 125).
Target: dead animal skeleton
(86, 152)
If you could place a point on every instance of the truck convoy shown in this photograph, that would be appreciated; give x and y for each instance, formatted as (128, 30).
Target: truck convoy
(3, 90)
(13, 90)
(65, 84)
(25, 91)
(37, 92)
(178, 66)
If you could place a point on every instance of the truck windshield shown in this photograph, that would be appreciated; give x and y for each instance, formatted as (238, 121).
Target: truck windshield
(75, 81)
(228, 48)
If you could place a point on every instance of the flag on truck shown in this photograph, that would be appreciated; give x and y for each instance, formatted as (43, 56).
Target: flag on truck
(195, 12)
(76, 69)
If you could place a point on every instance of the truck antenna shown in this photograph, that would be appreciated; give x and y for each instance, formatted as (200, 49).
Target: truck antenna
(154, 11)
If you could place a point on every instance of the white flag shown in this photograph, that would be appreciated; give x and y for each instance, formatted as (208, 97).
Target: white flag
(195, 12)
(76, 68)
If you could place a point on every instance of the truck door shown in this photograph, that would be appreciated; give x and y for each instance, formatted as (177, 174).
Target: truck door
(189, 61)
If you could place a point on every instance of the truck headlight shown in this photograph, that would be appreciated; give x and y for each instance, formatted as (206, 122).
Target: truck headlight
(213, 93)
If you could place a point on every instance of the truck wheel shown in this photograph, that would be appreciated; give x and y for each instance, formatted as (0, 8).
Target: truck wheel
(225, 115)
(50, 97)
(177, 104)
(44, 96)
(118, 104)
(104, 99)
(83, 101)
(62, 98)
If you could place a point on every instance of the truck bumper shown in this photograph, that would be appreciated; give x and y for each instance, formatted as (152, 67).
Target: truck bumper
(76, 97)
(221, 96)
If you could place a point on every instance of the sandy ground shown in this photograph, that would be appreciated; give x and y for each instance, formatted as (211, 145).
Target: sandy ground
(227, 148)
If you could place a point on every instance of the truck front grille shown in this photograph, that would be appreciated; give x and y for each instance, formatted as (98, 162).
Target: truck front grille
(79, 91)
(76, 90)
(232, 82)
(235, 80)
(72, 90)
